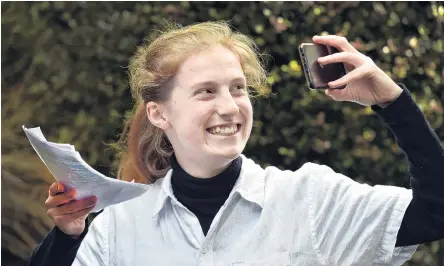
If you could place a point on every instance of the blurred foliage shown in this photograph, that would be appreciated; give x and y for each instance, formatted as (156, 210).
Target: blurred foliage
(64, 69)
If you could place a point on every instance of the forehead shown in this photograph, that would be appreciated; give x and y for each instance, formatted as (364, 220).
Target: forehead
(216, 64)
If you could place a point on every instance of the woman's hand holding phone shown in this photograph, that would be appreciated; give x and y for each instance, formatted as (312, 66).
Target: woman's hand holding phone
(365, 83)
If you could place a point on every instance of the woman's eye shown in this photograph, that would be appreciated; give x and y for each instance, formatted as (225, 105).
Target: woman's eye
(239, 87)
(204, 91)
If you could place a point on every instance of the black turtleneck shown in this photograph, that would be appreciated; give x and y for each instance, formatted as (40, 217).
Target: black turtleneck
(204, 196)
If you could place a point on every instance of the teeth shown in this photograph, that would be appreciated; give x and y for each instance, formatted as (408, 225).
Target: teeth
(231, 130)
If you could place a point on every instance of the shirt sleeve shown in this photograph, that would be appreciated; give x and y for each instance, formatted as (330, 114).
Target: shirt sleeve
(57, 248)
(94, 247)
(357, 224)
(424, 218)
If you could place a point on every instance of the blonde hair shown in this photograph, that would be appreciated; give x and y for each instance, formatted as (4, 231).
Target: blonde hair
(144, 151)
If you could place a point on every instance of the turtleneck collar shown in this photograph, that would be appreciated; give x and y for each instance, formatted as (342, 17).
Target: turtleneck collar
(204, 196)
(219, 185)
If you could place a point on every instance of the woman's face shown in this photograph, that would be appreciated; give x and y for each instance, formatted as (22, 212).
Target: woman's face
(209, 114)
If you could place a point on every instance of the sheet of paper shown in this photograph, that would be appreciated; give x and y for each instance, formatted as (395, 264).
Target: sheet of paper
(68, 167)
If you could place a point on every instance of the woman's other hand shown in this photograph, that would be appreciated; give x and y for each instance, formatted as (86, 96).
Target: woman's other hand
(68, 214)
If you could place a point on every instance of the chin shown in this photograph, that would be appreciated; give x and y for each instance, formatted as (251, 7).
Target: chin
(229, 153)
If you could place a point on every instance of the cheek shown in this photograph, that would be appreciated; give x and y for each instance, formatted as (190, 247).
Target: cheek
(246, 108)
(192, 123)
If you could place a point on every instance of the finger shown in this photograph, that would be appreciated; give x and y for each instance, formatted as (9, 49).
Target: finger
(73, 216)
(349, 77)
(59, 199)
(354, 59)
(337, 95)
(336, 41)
(82, 212)
(56, 188)
(73, 207)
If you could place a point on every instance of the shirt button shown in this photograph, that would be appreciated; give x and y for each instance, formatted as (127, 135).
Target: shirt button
(204, 250)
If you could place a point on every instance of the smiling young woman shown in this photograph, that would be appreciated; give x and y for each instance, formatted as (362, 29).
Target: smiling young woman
(207, 204)
(197, 78)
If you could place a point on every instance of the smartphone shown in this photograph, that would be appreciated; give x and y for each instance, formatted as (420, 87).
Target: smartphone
(319, 76)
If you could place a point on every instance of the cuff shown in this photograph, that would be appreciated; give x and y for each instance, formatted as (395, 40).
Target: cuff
(400, 109)
(63, 240)
(387, 253)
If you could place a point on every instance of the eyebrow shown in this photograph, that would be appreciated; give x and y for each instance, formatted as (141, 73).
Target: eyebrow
(213, 83)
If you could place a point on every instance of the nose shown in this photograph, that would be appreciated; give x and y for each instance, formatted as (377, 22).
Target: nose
(227, 106)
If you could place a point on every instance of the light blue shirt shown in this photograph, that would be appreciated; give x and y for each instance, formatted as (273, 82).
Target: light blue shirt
(312, 216)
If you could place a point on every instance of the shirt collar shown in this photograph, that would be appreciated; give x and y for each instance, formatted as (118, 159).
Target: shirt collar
(251, 182)
(250, 185)
(165, 192)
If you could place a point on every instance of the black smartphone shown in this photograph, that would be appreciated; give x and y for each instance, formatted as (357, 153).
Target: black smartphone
(319, 76)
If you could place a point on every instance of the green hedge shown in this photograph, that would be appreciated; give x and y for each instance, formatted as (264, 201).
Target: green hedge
(64, 69)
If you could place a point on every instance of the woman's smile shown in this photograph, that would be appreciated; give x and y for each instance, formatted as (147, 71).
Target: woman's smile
(225, 130)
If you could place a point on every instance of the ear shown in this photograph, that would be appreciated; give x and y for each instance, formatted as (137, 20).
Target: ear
(155, 112)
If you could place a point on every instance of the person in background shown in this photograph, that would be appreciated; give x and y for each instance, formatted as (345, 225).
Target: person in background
(208, 204)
